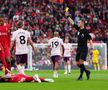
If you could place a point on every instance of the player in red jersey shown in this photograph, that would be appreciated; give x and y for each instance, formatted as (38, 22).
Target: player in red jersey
(5, 44)
(24, 78)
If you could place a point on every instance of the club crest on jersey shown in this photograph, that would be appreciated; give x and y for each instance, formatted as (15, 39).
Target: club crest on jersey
(78, 33)
(82, 35)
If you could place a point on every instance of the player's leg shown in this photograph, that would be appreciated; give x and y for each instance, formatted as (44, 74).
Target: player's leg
(8, 61)
(2, 57)
(82, 66)
(81, 71)
(21, 61)
(18, 60)
(69, 66)
(78, 64)
(55, 65)
(65, 65)
(7, 58)
(36, 78)
(98, 65)
(83, 57)
(56, 69)
(94, 65)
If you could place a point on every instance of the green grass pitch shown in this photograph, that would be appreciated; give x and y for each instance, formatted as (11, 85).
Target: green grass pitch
(98, 81)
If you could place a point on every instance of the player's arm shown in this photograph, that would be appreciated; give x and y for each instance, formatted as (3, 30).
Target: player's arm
(49, 45)
(62, 50)
(62, 46)
(31, 43)
(91, 44)
(89, 40)
(69, 19)
(12, 44)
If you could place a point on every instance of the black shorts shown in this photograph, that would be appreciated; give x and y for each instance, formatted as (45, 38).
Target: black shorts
(66, 59)
(21, 59)
(81, 53)
(55, 58)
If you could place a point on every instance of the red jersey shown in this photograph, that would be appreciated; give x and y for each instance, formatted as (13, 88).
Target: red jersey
(5, 36)
(18, 77)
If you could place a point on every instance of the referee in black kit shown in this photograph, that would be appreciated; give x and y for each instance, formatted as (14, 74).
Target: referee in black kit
(82, 48)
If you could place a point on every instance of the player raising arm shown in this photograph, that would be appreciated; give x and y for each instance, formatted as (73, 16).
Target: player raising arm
(55, 44)
(83, 37)
(21, 38)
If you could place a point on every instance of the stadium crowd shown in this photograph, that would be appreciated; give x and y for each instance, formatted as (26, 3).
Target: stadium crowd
(42, 17)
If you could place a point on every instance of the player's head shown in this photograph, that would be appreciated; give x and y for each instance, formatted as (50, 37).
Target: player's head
(56, 34)
(19, 24)
(66, 40)
(1, 21)
(81, 22)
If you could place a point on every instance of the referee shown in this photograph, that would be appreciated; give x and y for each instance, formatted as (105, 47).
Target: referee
(83, 37)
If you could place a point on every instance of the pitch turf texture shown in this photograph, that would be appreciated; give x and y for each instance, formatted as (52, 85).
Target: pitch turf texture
(98, 81)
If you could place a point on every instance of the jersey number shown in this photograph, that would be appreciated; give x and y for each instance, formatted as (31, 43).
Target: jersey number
(22, 39)
(55, 44)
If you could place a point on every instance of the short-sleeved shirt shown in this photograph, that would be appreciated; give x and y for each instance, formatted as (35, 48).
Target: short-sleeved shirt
(95, 54)
(20, 37)
(56, 45)
(67, 49)
(82, 35)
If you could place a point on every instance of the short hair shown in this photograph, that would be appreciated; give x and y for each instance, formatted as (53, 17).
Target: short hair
(82, 19)
(19, 24)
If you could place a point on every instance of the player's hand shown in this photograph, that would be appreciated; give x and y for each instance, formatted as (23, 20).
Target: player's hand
(35, 50)
(66, 14)
(91, 50)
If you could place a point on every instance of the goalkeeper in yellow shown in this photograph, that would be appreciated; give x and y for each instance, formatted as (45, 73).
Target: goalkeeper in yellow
(95, 59)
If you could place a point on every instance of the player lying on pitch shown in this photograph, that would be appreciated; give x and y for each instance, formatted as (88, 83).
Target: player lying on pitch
(17, 78)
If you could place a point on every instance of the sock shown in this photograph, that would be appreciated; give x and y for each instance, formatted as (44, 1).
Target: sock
(22, 70)
(19, 67)
(81, 72)
(69, 68)
(4, 62)
(82, 67)
(98, 65)
(94, 66)
(65, 68)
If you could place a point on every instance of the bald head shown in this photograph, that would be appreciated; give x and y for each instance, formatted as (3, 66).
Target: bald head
(56, 34)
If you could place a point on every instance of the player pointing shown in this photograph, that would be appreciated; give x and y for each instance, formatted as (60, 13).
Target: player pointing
(56, 44)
